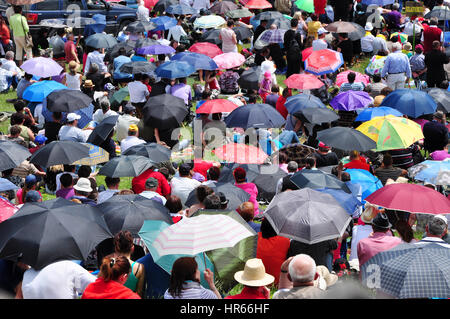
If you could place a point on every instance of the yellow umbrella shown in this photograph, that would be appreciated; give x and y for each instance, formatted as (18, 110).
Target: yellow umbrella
(391, 132)
(97, 155)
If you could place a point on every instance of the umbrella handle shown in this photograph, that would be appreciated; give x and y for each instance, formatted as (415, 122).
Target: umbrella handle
(204, 260)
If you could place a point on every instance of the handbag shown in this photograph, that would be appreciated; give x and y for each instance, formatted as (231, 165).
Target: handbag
(28, 39)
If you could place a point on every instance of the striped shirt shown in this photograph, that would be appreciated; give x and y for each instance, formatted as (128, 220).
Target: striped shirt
(192, 290)
(403, 158)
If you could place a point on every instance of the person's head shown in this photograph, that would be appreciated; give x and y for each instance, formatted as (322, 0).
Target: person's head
(84, 171)
(434, 21)
(57, 116)
(252, 99)
(321, 33)
(239, 175)
(19, 105)
(405, 231)
(151, 184)
(17, 9)
(93, 68)
(185, 170)
(173, 204)
(61, 32)
(418, 49)
(112, 182)
(128, 108)
(351, 77)
(213, 173)
(310, 162)
(395, 6)
(122, 51)
(115, 268)
(216, 116)
(444, 85)
(396, 46)
(381, 224)
(387, 160)
(9, 55)
(184, 269)
(83, 187)
(212, 201)
(376, 78)
(294, 23)
(223, 200)
(302, 269)
(436, 45)
(32, 197)
(123, 243)
(354, 155)
(264, 23)
(30, 184)
(15, 130)
(202, 192)
(105, 105)
(439, 2)
(439, 116)
(230, 23)
(72, 119)
(133, 130)
(386, 91)
(437, 226)
(292, 167)
(267, 230)
(314, 17)
(247, 211)
(17, 119)
(345, 177)
(343, 35)
(66, 180)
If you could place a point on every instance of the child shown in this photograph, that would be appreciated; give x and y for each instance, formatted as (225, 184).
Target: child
(66, 190)
(73, 79)
(265, 86)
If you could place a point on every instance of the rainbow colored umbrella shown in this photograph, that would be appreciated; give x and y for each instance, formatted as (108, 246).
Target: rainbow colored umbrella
(399, 37)
(229, 60)
(305, 5)
(375, 65)
(323, 61)
(241, 153)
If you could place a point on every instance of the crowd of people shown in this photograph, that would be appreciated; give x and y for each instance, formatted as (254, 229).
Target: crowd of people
(282, 268)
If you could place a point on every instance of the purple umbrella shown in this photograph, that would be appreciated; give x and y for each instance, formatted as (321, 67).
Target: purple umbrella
(42, 67)
(351, 100)
(156, 49)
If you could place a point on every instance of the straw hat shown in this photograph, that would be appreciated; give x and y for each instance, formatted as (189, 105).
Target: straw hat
(399, 180)
(73, 65)
(88, 84)
(254, 274)
(369, 213)
(325, 279)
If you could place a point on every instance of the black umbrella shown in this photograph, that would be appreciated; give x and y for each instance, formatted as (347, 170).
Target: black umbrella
(165, 111)
(59, 153)
(223, 7)
(239, 13)
(235, 195)
(317, 115)
(256, 116)
(128, 212)
(295, 152)
(355, 35)
(441, 14)
(67, 100)
(267, 183)
(242, 33)
(155, 152)
(441, 97)
(346, 139)
(268, 15)
(226, 173)
(12, 154)
(145, 42)
(101, 41)
(211, 36)
(126, 166)
(140, 26)
(41, 233)
(137, 67)
(249, 79)
(113, 52)
(102, 130)
(316, 179)
(162, 5)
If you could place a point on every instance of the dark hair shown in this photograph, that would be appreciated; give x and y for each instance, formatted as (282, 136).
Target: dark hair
(239, 174)
(252, 99)
(66, 180)
(212, 201)
(213, 173)
(183, 269)
(138, 77)
(351, 77)
(314, 17)
(57, 115)
(230, 23)
(112, 181)
(123, 242)
(267, 230)
(404, 230)
(385, 91)
(17, 118)
(275, 88)
(61, 32)
(19, 105)
(387, 159)
(84, 171)
(202, 192)
(310, 161)
(122, 51)
(173, 204)
(112, 268)
(377, 78)
(15, 130)
(294, 23)
(17, 9)
(69, 168)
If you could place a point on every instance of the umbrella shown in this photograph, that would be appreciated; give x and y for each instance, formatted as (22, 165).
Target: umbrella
(128, 212)
(267, 184)
(298, 102)
(441, 97)
(430, 171)
(303, 81)
(140, 26)
(240, 153)
(23, 2)
(174, 69)
(239, 13)
(229, 60)
(113, 52)
(413, 103)
(371, 112)
(268, 15)
(399, 37)
(211, 36)
(317, 115)
(156, 49)
(341, 78)
(323, 61)
(272, 36)
(355, 35)
(162, 5)
(316, 179)
(180, 9)
(155, 152)
(375, 65)
(126, 166)
(256, 116)
(258, 4)
(346, 138)
(163, 23)
(307, 216)
(165, 111)
(226, 173)
(223, 7)
(12, 154)
(101, 41)
(351, 100)
(59, 152)
(96, 156)
(37, 92)
(296, 152)
(44, 232)
(368, 182)
(424, 276)
(282, 23)
(242, 33)
(143, 42)
(411, 198)
(136, 67)
(306, 53)
(41, 67)
(380, 3)
(249, 79)
(206, 48)
(198, 60)
(305, 5)
(235, 195)
(6, 209)
(209, 21)
(341, 27)
(441, 14)
(119, 96)
(348, 201)
(216, 106)
(67, 100)
(149, 4)
(6, 185)
(101, 132)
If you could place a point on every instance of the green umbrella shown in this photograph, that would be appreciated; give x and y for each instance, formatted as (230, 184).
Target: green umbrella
(119, 96)
(305, 5)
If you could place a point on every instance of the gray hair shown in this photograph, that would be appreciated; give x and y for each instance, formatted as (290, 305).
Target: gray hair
(104, 103)
(396, 46)
(437, 225)
(93, 68)
(292, 166)
(9, 55)
(307, 270)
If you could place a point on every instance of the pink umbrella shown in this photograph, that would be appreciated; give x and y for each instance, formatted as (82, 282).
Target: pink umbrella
(241, 153)
(206, 48)
(258, 4)
(306, 53)
(303, 81)
(421, 122)
(6, 209)
(229, 60)
(342, 78)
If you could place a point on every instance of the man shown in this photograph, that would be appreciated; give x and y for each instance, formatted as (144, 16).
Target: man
(430, 34)
(285, 182)
(435, 133)
(324, 156)
(376, 86)
(7, 79)
(397, 69)
(151, 185)
(367, 39)
(104, 111)
(19, 27)
(177, 31)
(436, 229)
(380, 240)
(24, 82)
(356, 161)
(259, 29)
(379, 43)
(132, 138)
(9, 64)
(118, 62)
(143, 13)
(70, 48)
(297, 277)
(138, 182)
(124, 121)
(351, 84)
(394, 18)
(386, 170)
(138, 93)
(112, 184)
(320, 43)
(97, 56)
(52, 128)
(418, 67)
(435, 61)
(184, 184)
(70, 131)
(292, 34)
(82, 190)
(14, 136)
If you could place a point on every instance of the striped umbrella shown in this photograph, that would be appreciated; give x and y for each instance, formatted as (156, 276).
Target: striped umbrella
(272, 36)
(96, 156)
(323, 61)
(199, 234)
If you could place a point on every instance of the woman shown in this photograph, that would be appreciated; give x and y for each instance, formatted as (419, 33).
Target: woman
(228, 37)
(246, 210)
(185, 281)
(5, 36)
(241, 181)
(200, 192)
(313, 26)
(405, 231)
(110, 282)
(175, 207)
(73, 79)
(30, 184)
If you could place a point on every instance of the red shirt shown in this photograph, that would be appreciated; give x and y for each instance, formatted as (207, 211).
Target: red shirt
(68, 47)
(138, 183)
(202, 167)
(273, 252)
(358, 164)
(251, 293)
(111, 289)
(430, 34)
(281, 108)
(5, 35)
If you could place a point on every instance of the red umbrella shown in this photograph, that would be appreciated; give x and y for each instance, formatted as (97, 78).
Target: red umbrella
(411, 198)
(258, 4)
(303, 81)
(323, 61)
(206, 48)
(6, 209)
(241, 153)
(306, 53)
(216, 106)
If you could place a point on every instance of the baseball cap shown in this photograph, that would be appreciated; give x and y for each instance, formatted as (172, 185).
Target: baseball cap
(72, 117)
(151, 182)
(322, 31)
(40, 139)
(32, 196)
(30, 179)
(322, 145)
(133, 128)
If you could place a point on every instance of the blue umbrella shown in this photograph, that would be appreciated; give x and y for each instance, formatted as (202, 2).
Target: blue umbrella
(174, 70)
(156, 49)
(37, 92)
(368, 182)
(430, 171)
(6, 185)
(256, 116)
(198, 60)
(298, 102)
(180, 9)
(163, 23)
(413, 103)
(380, 3)
(371, 112)
(348, 201)
(150, 230)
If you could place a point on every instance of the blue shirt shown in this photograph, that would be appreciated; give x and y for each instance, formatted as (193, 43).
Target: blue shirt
(396, 62)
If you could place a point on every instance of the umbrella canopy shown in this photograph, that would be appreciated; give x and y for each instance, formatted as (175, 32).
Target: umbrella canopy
(126, 166)
(303, 81)
(441, 97)
(37, 92)
(229, 60)
(348, 201)
(306, 53)
(119, 96)
(249, 79)
(96, 156)
(226, 173)
(413, 103)
(323, 61)
(223, 7)
(165, 111)
(307, 216)
(258, 4)
(156, 49)
(113, 52)
(163, 23)
(6, 185)
(240, 153)
(272, 36)
(341, 78)
(305, 5)
(316, 179)
(12, 154)
(41, 67)
(101, 132)
(399, 37)
(200, 234)
(375, 65)
(372, 112)
(256, 116)
(44, 232)
(137, 67)
(23, 2)
(298, 102)
(212, 36)
(317, 115)
(206, 48)
(143, 42)
(209, 21)
(296, 152)
(355, 35)
(67, 100)
(155, 152)
(59, 152)
(441, 14)
(282, 23)
(140, 26)
(368, 182)
(425, 276)
(180, 9)
(128, 212)
(199, 61)
(351, 100)
(268, 15)
(6, 209)
(435, 172)
(53, 23)
(267, 184)
(101, 41)
(162, 5)
(391, 132)
(341, 27)
(411, 198)
(174, 69)
(239, 13)
(216, 106)
(346, 138)
(380, 3)
(243, 33)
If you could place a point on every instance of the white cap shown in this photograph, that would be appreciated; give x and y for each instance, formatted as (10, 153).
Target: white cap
(72, 117)
(442, 217)
(368, 27)
(321, 31)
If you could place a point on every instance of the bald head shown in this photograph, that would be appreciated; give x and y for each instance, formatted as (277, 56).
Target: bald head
(302, 269)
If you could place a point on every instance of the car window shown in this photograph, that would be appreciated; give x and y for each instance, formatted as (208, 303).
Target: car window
(95, 5)
(47, 5)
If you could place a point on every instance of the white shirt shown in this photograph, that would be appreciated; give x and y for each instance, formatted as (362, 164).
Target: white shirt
(123, 123)
(176, 32)
(358, 232)
(97, 58)
(100, 116)
(151, 194)
(143, 14)
(3, 74)
(58, 179)
(367, 43)
(128, 142)
(319, 44)
(183, 186)
(72, 133)
(105, 195)
(60, 280)
(379, 44)
(138, 92)
(38, 114)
